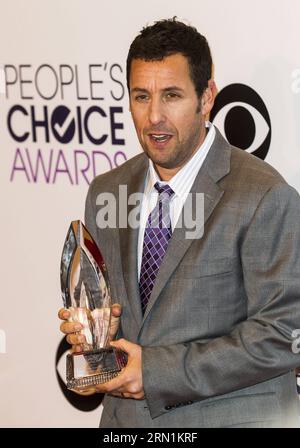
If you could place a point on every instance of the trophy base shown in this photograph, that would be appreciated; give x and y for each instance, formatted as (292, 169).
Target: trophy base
(87, 369)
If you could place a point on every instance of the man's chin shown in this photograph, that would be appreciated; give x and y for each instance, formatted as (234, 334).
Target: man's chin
(159, 161)
(166, 165)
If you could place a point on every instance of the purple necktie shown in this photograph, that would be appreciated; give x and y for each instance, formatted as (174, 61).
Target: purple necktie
(158, 231)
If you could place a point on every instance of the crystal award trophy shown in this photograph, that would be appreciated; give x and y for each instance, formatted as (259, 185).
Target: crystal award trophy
(86, 293)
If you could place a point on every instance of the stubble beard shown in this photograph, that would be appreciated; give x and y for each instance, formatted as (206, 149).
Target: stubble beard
(179, 155)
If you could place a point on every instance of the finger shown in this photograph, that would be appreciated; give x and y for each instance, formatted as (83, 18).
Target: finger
(70, 327)
(75, 339)
(123, 345)
(113, 327)
(116, 310)
(85, 392)
(77, 348)
(64, 314)
(139, 396)
(113, 386)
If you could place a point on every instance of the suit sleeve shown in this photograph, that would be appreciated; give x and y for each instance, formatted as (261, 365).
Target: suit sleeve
(257, 349)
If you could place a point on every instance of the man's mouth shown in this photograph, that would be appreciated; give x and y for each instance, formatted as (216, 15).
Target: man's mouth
(160, 138)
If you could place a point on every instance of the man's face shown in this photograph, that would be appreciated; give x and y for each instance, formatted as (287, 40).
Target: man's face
(166, 112)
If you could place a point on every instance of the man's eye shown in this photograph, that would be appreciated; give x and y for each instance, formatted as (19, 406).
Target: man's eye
(141, 98)
(172, 95)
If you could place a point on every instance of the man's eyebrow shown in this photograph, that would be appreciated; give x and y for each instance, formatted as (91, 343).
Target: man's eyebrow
(178, 89)
(166, 89)
(138, 89)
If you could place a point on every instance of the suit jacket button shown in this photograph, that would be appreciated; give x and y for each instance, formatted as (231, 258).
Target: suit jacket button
(167, 408)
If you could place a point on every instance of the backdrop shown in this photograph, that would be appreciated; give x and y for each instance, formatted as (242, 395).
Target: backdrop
(64, 118)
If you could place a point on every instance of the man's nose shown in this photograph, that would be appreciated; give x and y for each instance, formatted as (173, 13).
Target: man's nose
(156, 112)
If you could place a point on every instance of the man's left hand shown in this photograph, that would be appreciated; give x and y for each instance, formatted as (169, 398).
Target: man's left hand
(129, 384)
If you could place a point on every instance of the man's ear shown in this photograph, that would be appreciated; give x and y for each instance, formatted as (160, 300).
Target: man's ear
(208, 97)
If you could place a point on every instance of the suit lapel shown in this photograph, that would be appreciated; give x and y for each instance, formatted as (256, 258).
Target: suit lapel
(129, 241)
(215, 167)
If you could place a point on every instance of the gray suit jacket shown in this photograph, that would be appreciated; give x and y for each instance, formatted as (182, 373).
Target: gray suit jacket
(216, 335)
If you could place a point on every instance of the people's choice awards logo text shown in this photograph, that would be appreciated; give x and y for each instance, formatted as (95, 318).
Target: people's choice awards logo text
(64, 121)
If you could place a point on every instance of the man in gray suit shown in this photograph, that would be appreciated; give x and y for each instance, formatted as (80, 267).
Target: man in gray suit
(209, 331)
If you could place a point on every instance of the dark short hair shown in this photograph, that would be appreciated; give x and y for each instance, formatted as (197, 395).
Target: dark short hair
(170, 36)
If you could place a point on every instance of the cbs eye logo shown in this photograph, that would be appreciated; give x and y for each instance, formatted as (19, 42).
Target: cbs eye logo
(242, 117)
(80, 402)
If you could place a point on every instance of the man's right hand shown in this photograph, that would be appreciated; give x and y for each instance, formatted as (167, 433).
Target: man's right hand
(72, 329)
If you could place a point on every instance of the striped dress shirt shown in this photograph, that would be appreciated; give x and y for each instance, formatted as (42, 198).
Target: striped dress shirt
(181, 184)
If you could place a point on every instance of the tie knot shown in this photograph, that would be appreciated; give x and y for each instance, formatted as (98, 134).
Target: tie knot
(164, 189)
